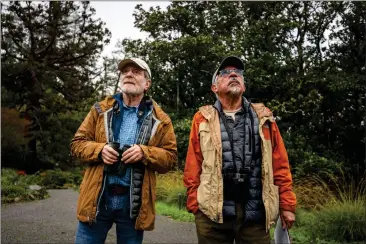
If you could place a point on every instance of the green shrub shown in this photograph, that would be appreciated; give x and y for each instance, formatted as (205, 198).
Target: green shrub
(58, 179)
(15, 187)
(34, 179)
(170, 189)
(182, 128)
(53, 179)
(340, 216)
(342, 221)
(311, 163)
(174, 212)
(13, 191)
(302, 232)
(9, 176)
(312, 192)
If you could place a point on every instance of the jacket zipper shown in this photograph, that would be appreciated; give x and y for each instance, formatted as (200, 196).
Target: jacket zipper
(100, 197)
(104, 175)
(131, 186)
(218, 196)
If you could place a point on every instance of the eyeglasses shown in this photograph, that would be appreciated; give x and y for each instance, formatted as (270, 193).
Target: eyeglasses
(226, 72)
(134, 71)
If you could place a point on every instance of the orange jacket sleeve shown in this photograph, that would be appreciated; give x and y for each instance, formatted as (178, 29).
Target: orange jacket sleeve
(84, 145)
(192, 170)
(281, 171)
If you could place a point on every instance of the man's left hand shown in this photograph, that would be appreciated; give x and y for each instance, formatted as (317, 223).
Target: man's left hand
(133, 154)
(288, 219)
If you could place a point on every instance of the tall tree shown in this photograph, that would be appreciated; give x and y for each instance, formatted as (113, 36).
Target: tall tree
(346, 73)
(49, 52)
(305, 60)
(111, 74)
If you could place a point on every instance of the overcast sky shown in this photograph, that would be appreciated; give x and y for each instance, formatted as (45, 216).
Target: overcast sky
(119, 20)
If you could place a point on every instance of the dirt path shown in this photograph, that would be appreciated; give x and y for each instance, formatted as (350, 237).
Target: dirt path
(53, 220)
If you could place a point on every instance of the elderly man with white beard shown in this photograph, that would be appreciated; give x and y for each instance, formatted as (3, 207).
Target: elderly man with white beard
(237, 171)
(123, 141)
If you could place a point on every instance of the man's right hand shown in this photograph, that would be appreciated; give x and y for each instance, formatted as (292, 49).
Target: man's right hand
(109, 155)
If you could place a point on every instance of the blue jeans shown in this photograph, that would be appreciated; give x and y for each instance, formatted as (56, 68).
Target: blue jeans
(97, 231)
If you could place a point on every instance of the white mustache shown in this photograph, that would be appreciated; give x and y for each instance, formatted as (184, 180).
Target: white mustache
(233, 78)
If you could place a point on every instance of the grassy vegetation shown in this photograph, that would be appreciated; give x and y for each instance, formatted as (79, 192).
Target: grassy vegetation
(340, 214)
(15, 187)
(170, 189)
(331, 209)
(58, 179)
(15, 184)
(174, 212)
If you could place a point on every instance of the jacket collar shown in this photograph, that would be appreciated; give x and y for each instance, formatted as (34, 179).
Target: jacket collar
(159, 114)
(218, 106)
(208, 111)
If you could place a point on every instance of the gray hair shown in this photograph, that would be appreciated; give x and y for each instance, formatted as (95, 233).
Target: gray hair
(147, 76)
(214, 80)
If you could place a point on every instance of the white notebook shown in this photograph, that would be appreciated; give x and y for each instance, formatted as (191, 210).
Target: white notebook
(280, 235)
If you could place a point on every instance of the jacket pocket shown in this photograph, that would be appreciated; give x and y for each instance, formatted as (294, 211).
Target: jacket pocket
(207, 149)
(205, 138)
(204, 192)
(273, 203)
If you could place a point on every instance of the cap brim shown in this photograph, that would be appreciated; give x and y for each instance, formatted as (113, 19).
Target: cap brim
(124, 62)
(231, 61)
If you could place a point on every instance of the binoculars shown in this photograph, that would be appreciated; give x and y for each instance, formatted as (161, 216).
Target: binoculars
(118, 168)
(237, 178)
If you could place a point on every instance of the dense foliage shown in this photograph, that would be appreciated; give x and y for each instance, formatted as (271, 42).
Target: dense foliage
(49, 73)
(304, 60)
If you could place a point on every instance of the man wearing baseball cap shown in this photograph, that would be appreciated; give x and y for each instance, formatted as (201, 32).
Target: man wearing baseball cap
(237, 171)
(123, 140)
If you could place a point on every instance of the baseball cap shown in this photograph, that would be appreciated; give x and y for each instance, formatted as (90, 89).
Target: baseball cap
(229, 61)
(139, 62)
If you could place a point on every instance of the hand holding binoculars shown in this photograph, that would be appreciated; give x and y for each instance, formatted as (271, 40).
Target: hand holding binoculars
(118, 167)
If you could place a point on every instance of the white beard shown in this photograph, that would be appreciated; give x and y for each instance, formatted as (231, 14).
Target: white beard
(235, 91)
(132, 90)
(135, 91)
